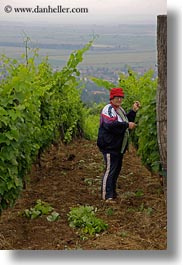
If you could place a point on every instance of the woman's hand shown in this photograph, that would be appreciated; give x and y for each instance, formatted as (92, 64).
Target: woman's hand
(131, 125)
(136, 106)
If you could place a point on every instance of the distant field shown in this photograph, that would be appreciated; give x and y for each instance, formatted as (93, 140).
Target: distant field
(119, 58)
(113, 59)
(114, 46)
(58, 58)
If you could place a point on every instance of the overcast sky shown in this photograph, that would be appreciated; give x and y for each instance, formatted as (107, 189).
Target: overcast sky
(99, 11)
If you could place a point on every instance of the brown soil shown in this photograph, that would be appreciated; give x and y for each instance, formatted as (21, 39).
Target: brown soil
(69, 176)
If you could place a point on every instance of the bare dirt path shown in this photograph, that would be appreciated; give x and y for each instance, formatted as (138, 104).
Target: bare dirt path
(69, 176)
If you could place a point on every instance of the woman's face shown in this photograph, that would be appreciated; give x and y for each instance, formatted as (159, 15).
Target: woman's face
(117, 101)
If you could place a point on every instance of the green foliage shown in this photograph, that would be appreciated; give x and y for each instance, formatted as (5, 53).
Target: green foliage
(37, 105)
(145, 209)
(54, 216)
(143, 88)
(83, 217)
(91, 120)
(103, 83)
(90, 125)
(139, 193)
(110, 211)
(41, 208)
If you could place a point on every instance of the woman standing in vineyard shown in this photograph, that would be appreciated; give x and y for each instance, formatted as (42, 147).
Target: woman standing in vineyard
(113, 139)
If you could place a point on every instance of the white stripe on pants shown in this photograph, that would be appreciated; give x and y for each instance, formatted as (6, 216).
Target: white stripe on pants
(108, 163)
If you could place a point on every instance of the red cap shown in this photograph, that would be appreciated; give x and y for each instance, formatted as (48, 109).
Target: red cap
(116, 92)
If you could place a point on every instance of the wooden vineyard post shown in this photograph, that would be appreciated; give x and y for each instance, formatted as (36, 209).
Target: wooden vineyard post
(162, 94)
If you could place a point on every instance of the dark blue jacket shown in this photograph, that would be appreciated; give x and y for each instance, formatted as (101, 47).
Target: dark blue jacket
(112, 129)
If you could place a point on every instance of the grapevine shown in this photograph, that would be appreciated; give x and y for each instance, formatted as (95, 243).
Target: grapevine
(37, 106)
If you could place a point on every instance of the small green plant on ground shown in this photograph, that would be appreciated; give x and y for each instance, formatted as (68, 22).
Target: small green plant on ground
(109, 211)
(83, 217)
(145, 209)
(142, 209)
(41, 208)
(54, 216)
(123, 233)
(89, 181)
(139, 193)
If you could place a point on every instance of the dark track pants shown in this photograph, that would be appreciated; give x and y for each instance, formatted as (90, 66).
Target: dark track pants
(113, 168)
